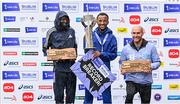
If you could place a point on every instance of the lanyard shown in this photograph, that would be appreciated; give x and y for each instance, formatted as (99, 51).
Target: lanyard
(99, 40)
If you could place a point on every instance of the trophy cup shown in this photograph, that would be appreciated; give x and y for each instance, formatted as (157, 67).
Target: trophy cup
(90, 21)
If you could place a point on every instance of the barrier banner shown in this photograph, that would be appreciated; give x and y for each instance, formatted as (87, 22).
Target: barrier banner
(93, 73)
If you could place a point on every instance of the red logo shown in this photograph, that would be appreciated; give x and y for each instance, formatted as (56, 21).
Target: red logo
(170, 20)
(8, 87)
(45, 86)
(29, 64)
(10, 53)
(28, 96)
(173, 53)
(156, 30)
(134, 19)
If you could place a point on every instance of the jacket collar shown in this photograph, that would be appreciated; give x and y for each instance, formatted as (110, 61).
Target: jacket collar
(144, 43)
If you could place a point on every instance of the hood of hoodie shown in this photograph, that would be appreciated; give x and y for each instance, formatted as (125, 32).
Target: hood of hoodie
(59, 15)
(107, 30)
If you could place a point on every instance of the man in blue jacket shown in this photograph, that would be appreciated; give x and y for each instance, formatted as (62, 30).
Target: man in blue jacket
(139, 49)
(105, 44)
(58, 37)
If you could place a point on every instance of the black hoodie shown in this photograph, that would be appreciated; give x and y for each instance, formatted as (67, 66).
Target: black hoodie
(58, 38)
(57, 23)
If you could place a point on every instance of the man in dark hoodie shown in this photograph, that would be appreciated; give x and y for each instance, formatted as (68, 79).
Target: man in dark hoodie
(58, 37)
(105, 45)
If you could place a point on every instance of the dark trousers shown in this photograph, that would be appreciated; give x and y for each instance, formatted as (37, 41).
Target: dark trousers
(106, 95)
(64, 80)
(143, 89)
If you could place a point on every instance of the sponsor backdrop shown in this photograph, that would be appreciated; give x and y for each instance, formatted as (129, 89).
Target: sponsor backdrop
(26, 76)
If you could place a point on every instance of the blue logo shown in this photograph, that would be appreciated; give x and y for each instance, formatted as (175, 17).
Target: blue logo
(10, 7)
(171, 42)
(132, 8)
(156, 87)
(31, 29)
(157, 97)
(171, 7)
(148, 19)
(29, 75)
(50, 7)
(29, 42)
(10, 42)
(173, 97)
(110, 7)
(150, 8)
(92, 7)
(32, 7)
(171, 30)
(48, 75)
(9, 18)
(11, 63)
(45, 97)
(25, 87)
(70, 7)
(78, 19)
(167, 30)
(153, 41)
(43, 41)
(127, 40)
(11, 75)
(171, 74)
(81, 87)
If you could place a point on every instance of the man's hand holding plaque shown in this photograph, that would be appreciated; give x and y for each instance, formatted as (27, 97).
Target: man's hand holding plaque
(136, 66)
(61, 54)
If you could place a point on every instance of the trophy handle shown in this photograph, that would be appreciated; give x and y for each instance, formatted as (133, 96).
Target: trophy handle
(93, 23)
(82, 22)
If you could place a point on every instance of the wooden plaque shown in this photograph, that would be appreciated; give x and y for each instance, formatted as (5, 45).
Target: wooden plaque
(136, 66)
(61, 54)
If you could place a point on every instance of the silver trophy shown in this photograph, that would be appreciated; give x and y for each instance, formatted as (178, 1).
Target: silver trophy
(88, 21)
